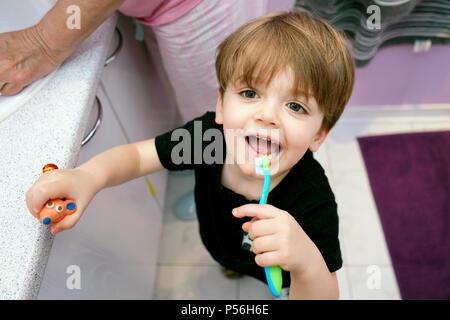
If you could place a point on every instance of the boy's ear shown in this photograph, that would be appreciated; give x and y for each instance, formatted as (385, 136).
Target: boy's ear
(219, 109)
(318, 140)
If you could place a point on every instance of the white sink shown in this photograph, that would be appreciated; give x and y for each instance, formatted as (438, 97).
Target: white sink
(17, 15)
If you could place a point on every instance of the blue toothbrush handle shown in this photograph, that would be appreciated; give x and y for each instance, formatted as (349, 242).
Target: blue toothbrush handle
(273, 273)
(274, 279)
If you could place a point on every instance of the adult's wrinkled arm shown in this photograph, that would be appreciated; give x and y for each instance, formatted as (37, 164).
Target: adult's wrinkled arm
(29, 54)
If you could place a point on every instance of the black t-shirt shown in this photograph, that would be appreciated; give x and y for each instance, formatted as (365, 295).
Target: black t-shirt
(304, 192)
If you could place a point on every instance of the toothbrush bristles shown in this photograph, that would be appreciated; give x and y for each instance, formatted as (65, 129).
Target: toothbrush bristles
(259, 166)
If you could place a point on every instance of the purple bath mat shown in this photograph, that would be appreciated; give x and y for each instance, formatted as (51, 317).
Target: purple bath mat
(410, 179)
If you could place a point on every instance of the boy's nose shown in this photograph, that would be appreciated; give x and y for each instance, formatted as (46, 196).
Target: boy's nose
(268, 115)
(46, 220)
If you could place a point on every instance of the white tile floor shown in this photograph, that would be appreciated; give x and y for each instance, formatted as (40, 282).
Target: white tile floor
(186, 271)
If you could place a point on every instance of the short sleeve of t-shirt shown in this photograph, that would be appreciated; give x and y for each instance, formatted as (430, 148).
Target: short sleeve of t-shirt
(314, 207)
(321, 225)
(183, 148)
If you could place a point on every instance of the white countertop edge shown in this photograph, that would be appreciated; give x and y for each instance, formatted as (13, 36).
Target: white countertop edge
(63, 105)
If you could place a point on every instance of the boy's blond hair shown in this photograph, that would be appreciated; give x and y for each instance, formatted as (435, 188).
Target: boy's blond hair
(317, 53)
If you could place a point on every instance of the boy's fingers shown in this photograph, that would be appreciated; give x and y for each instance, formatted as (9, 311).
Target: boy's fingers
(247, 224)
(265, 244)
(263, 227)
(39, 195)
(29, 201)
(65, 224)
(29, 206)
(260, 211)
(267, 259)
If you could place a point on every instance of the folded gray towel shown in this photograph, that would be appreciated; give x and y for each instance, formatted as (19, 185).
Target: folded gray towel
(401, 21)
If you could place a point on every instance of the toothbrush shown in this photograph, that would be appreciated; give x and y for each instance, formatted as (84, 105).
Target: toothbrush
(273, 273)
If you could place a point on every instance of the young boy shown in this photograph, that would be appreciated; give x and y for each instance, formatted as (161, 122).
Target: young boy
(284, 82)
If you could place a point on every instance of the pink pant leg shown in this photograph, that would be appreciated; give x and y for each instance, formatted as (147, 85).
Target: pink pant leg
(187, 50)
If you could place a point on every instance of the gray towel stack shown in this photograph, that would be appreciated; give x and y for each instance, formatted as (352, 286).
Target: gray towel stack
(401, 21)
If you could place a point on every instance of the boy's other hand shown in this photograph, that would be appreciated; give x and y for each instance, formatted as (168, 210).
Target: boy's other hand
(278, 240)
(73, 184)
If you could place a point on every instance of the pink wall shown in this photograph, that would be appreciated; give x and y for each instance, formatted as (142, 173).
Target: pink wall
(397, 75)
(280, 5)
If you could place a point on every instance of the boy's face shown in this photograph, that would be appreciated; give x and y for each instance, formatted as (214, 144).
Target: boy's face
(252, 116)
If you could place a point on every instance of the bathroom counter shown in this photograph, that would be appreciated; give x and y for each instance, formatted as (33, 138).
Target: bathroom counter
(47, 129)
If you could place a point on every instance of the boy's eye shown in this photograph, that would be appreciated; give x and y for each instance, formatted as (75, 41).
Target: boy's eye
(296, 107)
(249, 94)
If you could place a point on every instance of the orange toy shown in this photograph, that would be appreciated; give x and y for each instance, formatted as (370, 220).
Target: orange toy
(56, 209)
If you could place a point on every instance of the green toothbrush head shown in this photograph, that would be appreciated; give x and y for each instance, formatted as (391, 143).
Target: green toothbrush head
(266, 162)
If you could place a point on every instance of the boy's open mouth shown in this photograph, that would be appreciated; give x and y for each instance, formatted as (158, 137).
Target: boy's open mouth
(263, 145)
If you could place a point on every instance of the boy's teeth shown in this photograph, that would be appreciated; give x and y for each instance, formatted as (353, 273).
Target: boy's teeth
(263, 145)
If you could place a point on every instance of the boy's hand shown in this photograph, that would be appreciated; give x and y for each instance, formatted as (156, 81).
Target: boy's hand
(74, 184)
(278, 240)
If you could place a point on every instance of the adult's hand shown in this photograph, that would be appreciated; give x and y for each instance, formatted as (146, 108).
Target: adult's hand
(24, 57)
(29, 54)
